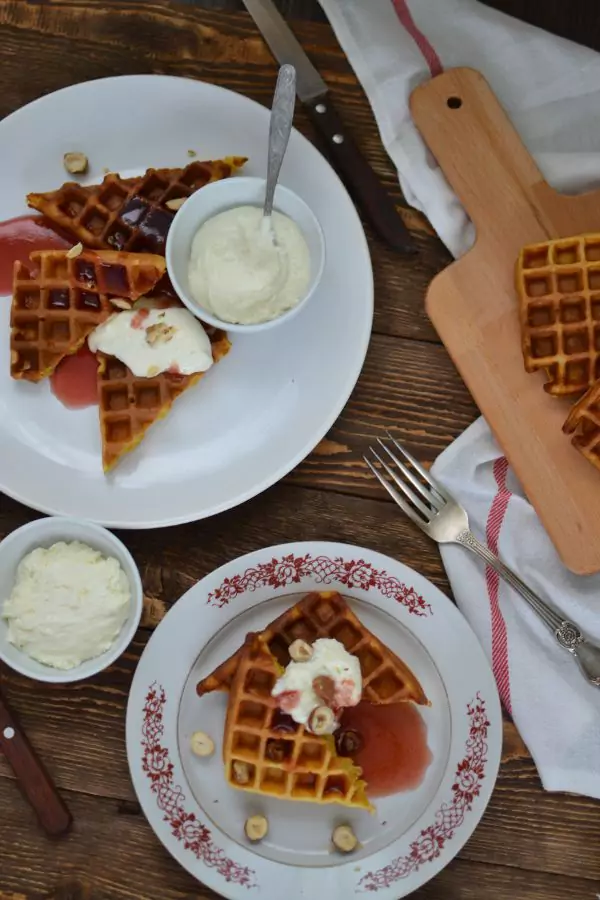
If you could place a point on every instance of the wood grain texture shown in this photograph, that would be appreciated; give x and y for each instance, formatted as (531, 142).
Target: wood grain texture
(530, 845)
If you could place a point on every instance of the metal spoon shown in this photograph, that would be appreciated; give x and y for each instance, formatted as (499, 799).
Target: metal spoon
(282, 115)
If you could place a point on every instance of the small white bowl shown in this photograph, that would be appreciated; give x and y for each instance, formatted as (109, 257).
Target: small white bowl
(227, 194)
(45, 533)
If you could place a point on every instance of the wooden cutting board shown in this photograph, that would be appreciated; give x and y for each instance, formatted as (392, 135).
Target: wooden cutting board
(473, 303)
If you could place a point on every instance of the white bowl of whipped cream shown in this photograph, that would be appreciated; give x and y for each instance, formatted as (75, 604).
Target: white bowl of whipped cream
(235, 271)
(71, 599)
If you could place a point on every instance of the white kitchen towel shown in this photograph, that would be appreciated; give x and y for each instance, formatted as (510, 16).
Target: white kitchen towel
(551, 90)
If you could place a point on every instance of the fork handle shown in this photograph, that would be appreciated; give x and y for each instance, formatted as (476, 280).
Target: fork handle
(568, 634)
(553, 620)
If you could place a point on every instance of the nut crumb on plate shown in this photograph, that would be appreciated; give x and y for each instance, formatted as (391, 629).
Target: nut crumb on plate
(256, 828)
(344, 839)
(202, 744)
(192, 153)
(75, 163)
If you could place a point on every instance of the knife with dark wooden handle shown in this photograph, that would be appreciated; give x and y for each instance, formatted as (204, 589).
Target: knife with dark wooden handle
(31, 775)
(370, 195)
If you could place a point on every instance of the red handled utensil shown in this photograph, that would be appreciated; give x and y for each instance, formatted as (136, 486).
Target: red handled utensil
(32, 777)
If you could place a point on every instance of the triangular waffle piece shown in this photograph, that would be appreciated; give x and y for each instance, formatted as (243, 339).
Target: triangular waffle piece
(584, 424)
(266, 752)
(128, 213)
(58, 301)
(129, 405)
(386, 679)
(558, 283)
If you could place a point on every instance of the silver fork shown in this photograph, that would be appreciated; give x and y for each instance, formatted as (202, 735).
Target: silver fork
(439, 515)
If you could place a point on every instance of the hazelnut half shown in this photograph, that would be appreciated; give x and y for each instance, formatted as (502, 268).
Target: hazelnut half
(202, 744)
(300, 651)
(120, 302)
(241, 772)
(176, 203)
(256, 828)
(322, 721)
(344, 839)
(75, 163)
(76, 250)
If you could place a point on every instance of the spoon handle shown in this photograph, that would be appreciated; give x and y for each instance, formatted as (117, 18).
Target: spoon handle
(282, 115)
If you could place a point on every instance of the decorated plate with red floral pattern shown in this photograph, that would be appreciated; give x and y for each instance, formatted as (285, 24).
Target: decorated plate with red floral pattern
(413, 834)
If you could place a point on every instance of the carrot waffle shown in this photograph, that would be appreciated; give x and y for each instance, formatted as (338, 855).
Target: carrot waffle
(386, 679)
(558, 283)
(129, 405)
(584, 424)
(128, 213)
(266, 752)
(58, 301)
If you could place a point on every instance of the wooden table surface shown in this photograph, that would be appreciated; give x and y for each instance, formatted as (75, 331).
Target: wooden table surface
(530, 845)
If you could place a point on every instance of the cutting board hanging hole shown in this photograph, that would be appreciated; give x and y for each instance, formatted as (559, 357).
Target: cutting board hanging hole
(454, 102)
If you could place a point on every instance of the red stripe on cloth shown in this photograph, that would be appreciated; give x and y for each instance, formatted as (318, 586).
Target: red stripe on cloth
(406, 19)
(494, 524)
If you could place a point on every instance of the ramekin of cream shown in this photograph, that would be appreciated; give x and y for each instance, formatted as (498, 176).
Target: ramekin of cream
(233, 269)
(71, 599)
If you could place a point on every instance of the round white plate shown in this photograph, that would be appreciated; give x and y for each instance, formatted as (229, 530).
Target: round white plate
(262, 409)
(200, 819)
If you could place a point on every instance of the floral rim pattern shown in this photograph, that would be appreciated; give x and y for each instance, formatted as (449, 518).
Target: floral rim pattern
(291, 569)
(469, 776)
(170, 798)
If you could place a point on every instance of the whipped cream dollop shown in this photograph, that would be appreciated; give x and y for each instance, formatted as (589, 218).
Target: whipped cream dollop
(240, 274)
(151, 341)
(68, 604)
(299, 691)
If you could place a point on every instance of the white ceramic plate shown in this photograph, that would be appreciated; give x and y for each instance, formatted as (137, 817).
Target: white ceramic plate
(200, 819)
(262, 409)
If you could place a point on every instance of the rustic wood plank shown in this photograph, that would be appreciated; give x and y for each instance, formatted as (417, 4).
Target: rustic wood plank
(226, 50)
(577, 21)
(118, 834)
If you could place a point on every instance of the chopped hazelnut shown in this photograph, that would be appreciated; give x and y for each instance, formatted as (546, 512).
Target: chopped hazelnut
(75, 163)
(300, 651)
(159, 333)
(76, 250)
(344, 839)
(202, 744)
(176, 203)
(256, 828)
(322, 721)
(241, 772)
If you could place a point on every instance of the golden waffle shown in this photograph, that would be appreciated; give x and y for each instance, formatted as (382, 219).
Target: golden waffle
(558, 283)
(386, 679)
(58, 301)
(128, 213)
(129, 405)
(584, 424)
(266, 752)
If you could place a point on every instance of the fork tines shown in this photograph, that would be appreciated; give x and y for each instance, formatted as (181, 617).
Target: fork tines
(415, 491)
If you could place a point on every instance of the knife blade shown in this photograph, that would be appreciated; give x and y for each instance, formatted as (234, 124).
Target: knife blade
(367, 190)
